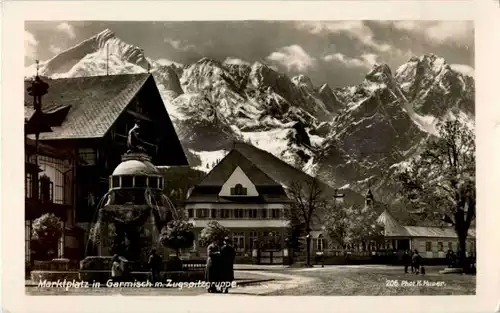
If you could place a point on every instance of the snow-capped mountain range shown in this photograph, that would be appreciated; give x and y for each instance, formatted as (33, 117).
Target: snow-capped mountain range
(346, 135)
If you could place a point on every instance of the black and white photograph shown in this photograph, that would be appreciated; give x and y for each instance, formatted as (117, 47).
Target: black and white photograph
(261, 158)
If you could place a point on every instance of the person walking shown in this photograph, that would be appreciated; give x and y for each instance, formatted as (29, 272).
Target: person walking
(416, 260)
(154, 264)
(212, 268)
(227, 255)
(116, 269)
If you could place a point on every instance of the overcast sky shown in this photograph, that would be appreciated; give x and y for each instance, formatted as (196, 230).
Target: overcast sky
(337, 52)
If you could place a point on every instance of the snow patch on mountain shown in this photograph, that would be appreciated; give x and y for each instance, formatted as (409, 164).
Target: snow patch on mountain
(339, 133)
(273, 141)
(96, 64)
(209, 159)
(165, 62)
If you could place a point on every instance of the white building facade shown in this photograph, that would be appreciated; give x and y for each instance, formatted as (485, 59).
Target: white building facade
(242, 198)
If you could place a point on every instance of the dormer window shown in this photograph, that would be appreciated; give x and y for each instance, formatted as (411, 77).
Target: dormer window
(238, 190)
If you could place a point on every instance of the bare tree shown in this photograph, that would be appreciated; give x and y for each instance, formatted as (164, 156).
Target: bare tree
(309, 201)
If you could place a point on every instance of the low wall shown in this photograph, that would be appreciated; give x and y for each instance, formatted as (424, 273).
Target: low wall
(174, 276)
(53, 276)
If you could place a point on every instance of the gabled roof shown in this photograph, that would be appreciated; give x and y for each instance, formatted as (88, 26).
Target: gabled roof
(222, 171)
(208, 189)
(284, 173)
(391, 225)
(95, 103)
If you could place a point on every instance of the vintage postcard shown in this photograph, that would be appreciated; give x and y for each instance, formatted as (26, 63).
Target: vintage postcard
(220, 158)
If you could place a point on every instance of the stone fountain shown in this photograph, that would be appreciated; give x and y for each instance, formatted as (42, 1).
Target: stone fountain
(131, 215)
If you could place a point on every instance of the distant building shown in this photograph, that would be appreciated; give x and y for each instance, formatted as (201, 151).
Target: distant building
(242, 197)
(431, 242)
(90, 119)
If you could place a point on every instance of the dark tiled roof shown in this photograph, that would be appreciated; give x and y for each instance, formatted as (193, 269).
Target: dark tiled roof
(208, 189)
(95, 102)
(221, 172)
(262, 168)
(285, 174)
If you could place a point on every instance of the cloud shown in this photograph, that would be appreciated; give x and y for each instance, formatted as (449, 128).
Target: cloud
(455, 32)
(235, 61)
(354, 29)
(55, 49)
(30, 45)
(166, 62)
(365, 60)
(463, 69)
(67, 29)
(179, 44)
(293, 58)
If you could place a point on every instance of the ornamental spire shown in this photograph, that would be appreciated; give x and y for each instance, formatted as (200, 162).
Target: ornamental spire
(38, 89)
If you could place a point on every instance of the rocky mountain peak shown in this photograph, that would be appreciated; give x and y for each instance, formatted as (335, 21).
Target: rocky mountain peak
(303, 81)
(208, 62)
(104, 36)
(329, 98)
(380, 73)
(350, 134)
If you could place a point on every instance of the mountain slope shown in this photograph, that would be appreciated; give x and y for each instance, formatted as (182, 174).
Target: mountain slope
(348, 136)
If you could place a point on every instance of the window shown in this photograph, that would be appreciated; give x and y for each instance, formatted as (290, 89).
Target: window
(252, 238)
(202, 213)
(428, 246)
(116, 182)
(264, 213)
(239, 241)
(252, 213)
(276, 213)
(46, 189)
(28, 186)
(213, 213)
(238, 213)
(450, 246)
(440, 246)
(153, 182)
(225, 213)
(238, 190)
(140, 181)
(55, 170)
(88, 156)
(190, 213)
(320, 243)
(127, 181)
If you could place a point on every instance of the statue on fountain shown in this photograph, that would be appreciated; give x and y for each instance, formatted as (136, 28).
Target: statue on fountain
(135, 143)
